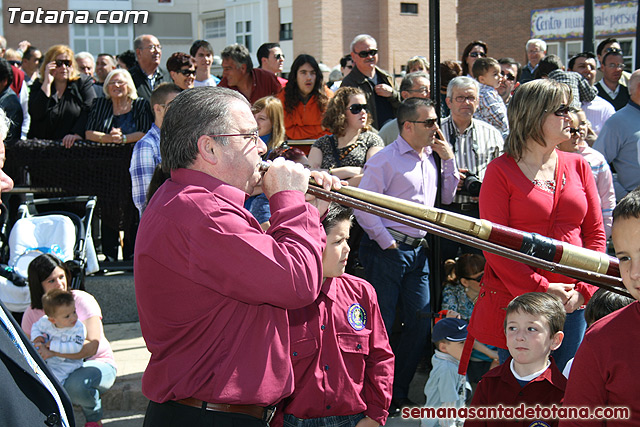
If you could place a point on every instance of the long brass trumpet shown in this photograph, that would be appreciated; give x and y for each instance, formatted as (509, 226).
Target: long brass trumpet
(529, 248)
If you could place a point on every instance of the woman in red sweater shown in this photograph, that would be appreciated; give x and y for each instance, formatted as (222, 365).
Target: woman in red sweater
(305, 99)
(536, 188)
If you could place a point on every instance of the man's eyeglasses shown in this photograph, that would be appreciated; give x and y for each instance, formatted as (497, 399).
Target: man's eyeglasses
(461, 99)
(187, 72)
(429, 123)
(357, 108)
(616, 66)
(279, 56)
(563, 111)
(477, 54)
(367, 53)
(61, 62)
(253, 136)
(475, 279)
(152, 47)
(509, 76)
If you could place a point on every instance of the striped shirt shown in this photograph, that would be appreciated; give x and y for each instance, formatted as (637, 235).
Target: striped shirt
(492, 110)
(474, 148)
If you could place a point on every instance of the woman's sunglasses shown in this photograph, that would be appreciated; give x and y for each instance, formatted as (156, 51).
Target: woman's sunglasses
(357, 108)
(61, 62)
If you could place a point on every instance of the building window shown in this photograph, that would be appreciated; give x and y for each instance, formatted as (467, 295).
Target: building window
(286, 31)
(243, 33)
(215, 28)
(98, 38)
(409, 8)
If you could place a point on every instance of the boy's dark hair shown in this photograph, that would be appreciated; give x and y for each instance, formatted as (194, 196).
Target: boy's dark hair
(482, 66)
(510, 61)
(604, 302)
(198, 44)
(29, 52)
(586, 55)
(263, 51)
(56, 298)
(335, 215)
(408, 110)
(605, 42)
(162, 91)
(539, 304)
(6, 73)
(628, 207)
(546, 65)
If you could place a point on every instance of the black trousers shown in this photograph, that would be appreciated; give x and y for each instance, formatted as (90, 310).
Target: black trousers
(172, 414)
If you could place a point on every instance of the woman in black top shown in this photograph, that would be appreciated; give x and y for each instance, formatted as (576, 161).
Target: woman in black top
(60, 100)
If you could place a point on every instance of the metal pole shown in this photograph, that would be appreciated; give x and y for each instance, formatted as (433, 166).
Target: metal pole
(588, 37)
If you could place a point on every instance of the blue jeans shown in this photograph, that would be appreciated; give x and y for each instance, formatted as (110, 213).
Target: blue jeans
(401, 276)
(334, 421)
(574, 329)
(85, 384)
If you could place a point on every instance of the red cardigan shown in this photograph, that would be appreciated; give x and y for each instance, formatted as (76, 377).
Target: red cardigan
(305, 121)
(509, 198)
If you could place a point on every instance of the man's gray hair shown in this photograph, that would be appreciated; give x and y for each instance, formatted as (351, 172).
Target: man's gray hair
(359, 38)
(85, 55)
(634, 82)
(5, 123)
(410, 79)
(193, 113)
(239, 54)
(539, 42)
(462, 82)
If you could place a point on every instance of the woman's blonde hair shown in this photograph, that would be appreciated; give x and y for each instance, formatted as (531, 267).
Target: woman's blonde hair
(51, 54)
(530, 106)
(335, 118)
(418, 60)
(273, 108)
(132, 93)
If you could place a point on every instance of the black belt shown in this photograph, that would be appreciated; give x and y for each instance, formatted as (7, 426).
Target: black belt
(462, 207)
(259, 412)
(414, 242)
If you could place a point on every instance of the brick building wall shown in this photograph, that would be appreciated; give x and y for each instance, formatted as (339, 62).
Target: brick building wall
(41, 35)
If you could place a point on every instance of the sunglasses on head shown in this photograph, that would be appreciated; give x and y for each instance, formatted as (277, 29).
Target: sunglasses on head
(357, 108)
(613, 49)
(477, 54)
(367, 53)
(563, 111)
(187, 72)
(61, 62)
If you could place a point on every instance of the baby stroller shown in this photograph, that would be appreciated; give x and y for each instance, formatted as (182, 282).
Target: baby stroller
(63, 234)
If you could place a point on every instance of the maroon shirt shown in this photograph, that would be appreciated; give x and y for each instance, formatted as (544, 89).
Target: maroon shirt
(212, 290)
(342, 360)
(500, 386)
(265, 83)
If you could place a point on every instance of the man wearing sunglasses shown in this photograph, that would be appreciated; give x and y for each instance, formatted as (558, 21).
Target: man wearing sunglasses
(31, 64)
(147, 74)
(536, 49)
(378, 85)
(395, 256)
(511, 70)
(271, 58)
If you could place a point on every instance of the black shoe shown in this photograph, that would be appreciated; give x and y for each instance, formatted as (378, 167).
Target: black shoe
(398, 404)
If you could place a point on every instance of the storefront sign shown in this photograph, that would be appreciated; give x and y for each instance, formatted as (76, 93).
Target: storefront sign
(568, 22)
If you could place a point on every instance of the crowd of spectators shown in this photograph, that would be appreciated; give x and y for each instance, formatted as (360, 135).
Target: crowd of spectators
(538, 146)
